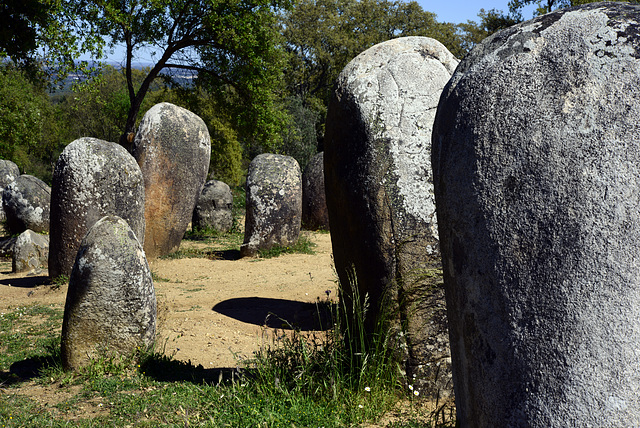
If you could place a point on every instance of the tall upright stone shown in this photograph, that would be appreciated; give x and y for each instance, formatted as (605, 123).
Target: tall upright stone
(26, 203)
(111, 302)
(214, 208)
(173, 149)
(274, 203)
(314, 201)
(536, 157)
(92, 178)
(9, 171)
(380, 197)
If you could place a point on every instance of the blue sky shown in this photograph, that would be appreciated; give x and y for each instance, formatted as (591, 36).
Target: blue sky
(458, 11)
(455, 11)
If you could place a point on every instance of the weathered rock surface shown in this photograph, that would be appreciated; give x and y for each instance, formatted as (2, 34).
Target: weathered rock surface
(92, 178)
(111, 303)
(173, 149)
(9, 171)
(26, 204)
(30, 252)
(274, 203)
(536, 157)
(214, 207)
(380, 196)
(314, 201)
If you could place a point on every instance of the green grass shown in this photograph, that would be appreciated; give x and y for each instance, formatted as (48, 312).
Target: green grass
(293, 380)
(302, 246)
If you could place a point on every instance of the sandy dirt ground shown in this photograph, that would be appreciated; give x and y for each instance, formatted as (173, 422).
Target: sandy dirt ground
(214, 312)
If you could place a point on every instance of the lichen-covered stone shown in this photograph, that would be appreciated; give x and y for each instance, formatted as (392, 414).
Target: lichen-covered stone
(30, 252)
(536, 157)
(111, 303)
(92, 178)
(26, 203)
(9, 171)
(214, 207)
(273, 203)
(173, 149)
(314, 201)
(380, 197)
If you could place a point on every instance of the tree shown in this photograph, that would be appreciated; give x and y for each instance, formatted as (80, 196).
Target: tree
(30, 133)
(490, 22)
(322, 36)
(546, 6)
(231, 45)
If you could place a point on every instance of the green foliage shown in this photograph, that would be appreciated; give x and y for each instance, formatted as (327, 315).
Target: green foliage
(490, 22)
(226, 151)
(230, 44)
(300, 139)
(322, 36)
(29, 128)
(302, 246)
(98, 107)
(546, 6)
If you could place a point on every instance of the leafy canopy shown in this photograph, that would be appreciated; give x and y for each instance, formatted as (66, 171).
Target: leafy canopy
(231, 45)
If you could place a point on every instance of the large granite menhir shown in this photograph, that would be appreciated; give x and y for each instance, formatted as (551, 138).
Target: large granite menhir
(26, 202)
(173, 149)
(536, 157)
(111, 302)
(314, 201)
(274, 203)
(92, 178)
(380, 198)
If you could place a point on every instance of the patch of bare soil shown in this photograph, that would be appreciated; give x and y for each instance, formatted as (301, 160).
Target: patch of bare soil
(213, 312)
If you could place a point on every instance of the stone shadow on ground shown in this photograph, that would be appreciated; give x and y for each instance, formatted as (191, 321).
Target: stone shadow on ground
(157, 367)
(26, 282)
(279, 313)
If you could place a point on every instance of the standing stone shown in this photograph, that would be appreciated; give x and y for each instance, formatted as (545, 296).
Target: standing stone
(274, 203)
(173, 149)
(30, 252)
(214, 207)
(536, 157)
(111, 303)
(380, 197)
(26, 204)
(92, 178)
(9, 171)
(314, 201)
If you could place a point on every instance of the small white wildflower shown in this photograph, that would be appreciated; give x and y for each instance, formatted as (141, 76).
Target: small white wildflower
(411, 387)
(416, 392)
(366, 388)
(360, 406)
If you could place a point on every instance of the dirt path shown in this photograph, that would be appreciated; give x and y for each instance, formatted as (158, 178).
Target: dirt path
(213, 312)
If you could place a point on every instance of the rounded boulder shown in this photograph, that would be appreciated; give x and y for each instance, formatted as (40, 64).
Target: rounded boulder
(92, 178)
(273, 203)
(26, 202)
(173, 148)
(111, 303)
(536, 157)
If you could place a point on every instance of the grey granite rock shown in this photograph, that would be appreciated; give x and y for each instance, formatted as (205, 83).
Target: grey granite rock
(214, 208)
(111, 303)
(274, 203)
(314, 201)
(173, 148)
(30, 252)
(380, 197)
(26, 202)
(536, 157)
(92, 178)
